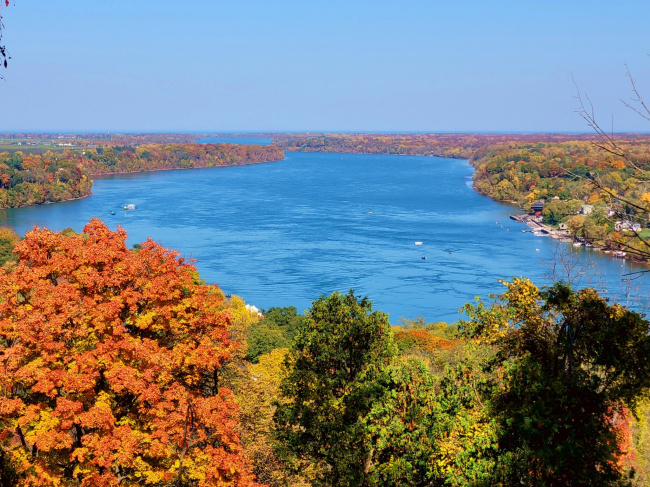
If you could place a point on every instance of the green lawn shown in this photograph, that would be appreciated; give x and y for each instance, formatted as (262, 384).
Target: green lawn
(645, 233)
(30, 149)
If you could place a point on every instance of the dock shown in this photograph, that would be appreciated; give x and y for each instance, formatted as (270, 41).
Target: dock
(541, 229)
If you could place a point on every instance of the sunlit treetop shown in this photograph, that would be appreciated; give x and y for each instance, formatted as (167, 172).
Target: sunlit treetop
(111, 362)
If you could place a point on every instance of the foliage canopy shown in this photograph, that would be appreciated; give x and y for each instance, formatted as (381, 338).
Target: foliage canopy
(111, 363)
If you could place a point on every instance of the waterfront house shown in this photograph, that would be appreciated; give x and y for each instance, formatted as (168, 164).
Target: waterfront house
(626, 225)
(537, 207)
(586, 209)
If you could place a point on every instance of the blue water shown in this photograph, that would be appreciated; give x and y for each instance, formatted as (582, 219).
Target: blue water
(235, 140)
(283, 233)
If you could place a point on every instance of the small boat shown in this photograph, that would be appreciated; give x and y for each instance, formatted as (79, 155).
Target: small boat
(418, 243)
(112, 212)
(130, 206)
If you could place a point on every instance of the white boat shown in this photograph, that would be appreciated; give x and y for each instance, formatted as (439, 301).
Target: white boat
(130, 206)
(418, 243)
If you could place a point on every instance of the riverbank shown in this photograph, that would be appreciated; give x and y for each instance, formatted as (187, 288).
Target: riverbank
(538, 228)
(542, 230)
(117, 173)
(67, 176)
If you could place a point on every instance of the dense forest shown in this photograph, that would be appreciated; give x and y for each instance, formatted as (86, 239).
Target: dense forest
(602, 196)
(30, 179)
(154, 157)
(442, 145)
(122, 367)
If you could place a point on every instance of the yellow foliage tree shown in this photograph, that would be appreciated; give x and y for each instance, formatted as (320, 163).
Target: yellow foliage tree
(641, 430)
(256, 398)
(241, 318)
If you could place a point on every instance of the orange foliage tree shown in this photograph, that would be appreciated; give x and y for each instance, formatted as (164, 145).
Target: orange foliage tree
(110, 364)
(420, 339)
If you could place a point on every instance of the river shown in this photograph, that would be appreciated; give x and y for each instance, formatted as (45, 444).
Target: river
(283, 233)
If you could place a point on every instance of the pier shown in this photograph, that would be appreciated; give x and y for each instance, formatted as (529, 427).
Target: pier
(539, 228)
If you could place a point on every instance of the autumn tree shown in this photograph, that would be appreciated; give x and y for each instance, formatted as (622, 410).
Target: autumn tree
(234, 372)
(402, 426)
(366, 416)
(257, 398)
(111, 364)
(8, 239)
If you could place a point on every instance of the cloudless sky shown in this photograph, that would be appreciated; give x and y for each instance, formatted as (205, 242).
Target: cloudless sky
(313, 65)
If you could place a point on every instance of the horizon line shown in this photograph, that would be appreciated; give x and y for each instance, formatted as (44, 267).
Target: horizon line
(288, 132)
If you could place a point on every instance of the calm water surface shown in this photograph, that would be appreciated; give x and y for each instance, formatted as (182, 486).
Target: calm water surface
(283, 233)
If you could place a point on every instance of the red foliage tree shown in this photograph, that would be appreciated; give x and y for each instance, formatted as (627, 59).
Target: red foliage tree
(110, 364)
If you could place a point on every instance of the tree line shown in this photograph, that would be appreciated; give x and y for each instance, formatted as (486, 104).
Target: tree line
(155, 157)
(31, 179)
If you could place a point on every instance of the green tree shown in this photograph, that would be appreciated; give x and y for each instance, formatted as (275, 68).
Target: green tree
(263, 337)
(466, 443)
(286, 318)
(332, 383)
(403, 426)
(569, 361)
(277, 330)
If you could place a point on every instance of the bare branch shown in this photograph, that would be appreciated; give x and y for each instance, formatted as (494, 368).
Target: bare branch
(644, 113)
(607, 141)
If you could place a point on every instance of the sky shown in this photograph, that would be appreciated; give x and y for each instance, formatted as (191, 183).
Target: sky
(314, 65)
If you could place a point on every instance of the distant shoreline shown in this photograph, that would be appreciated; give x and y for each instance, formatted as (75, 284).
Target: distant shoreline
(100, 174)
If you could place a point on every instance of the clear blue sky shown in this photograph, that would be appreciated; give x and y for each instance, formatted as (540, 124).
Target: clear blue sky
(310, 65)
